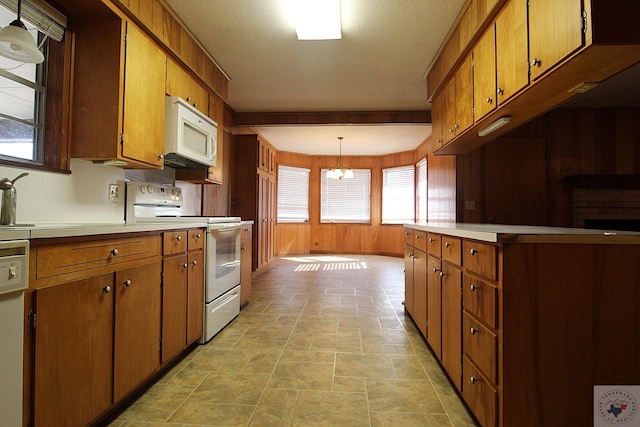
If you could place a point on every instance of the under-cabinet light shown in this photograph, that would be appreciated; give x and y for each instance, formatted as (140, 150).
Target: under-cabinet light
(494, 126)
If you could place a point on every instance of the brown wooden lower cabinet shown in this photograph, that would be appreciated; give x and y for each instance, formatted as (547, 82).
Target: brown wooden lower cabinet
(95, 329)
(528, 323)
(245, 263)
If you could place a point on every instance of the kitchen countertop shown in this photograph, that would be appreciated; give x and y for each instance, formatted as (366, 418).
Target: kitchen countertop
(496, 233)
(45, 230)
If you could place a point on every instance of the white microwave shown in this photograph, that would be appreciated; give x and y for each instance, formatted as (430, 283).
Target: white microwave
(190, 137)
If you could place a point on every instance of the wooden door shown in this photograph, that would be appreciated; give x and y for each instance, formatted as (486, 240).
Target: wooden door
(73, 352)
(555, 31)
(452, 323)
(464, 96)
(180, 83)
(408, 280)
(512, 43)
(137, 327)
(484, 75)
(420, 290)
(516, 181)
(195, 296)
(144, 99)
(174, 306)
(434, 306)
(437, 121)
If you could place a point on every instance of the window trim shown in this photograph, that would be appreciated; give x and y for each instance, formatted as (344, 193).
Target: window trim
(413, 209)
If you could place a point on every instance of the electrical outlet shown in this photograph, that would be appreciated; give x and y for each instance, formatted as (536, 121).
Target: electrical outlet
(470, 205)
(114, 192)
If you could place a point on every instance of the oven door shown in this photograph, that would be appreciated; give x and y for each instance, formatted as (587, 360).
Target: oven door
(223, 259)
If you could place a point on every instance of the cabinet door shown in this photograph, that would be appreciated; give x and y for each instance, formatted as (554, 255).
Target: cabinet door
(484, 74)
(437, 121)
(180, 83)
(195, 296)
(420, 290)
(512, 64)
(555, 31)
(449, 111)
(464, 96)
(434, 306)
(174, 306)
(144, 99)
(216, 112)
(408, 280)
(452, 323)
(137, 327)
(73, 352)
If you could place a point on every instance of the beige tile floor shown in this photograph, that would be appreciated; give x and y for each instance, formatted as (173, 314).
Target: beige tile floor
(324, 341)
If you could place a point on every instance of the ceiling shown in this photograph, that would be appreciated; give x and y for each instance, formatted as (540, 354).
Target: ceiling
(379, 65)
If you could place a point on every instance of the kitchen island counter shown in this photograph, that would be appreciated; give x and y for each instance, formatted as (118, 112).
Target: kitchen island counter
(497, 233)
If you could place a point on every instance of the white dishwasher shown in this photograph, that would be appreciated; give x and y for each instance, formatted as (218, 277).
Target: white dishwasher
(14, 276)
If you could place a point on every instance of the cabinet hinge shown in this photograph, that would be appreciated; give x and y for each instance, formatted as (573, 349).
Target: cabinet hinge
(584, 22)
(32, 322)
(121, 138)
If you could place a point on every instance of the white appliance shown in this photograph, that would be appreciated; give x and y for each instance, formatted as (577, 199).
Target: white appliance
(190, 137)
(149, 202)
(14, 274)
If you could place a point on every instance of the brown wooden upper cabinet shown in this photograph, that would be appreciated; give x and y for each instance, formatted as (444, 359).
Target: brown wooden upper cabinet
(180, 83)
(457, 102)
(555, 31)
(118, 93)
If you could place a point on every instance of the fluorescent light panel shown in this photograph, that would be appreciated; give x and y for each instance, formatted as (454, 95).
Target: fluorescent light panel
(494, 126)
(317, 19)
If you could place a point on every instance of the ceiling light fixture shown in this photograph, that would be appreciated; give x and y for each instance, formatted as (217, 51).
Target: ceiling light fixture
(316, 19)
(339, 172)
(494, 126)
(16, 43)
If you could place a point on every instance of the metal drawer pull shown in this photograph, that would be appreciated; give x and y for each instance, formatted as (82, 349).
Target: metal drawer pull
(430, 240)
(406, 233)
(473, 287)
(178, 238)
(194, 262)
(435, 270)
(474, 331)
(474, 380)
(473, 251)
(417, 236)
(447, 244)
(442, 274)
(106, 289)
(185, 265)
(127, 283)
(114, 251)
(198, 235)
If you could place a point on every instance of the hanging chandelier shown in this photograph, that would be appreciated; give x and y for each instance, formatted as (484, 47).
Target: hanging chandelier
(339, 172)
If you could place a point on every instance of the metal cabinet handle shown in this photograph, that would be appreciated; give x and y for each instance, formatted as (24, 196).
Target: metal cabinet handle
(451, 130)
(185, 265)
(473, 251)
(127, 283)
(435, 270)
(473, 287)
(474, 331)
(114, 251)
(430, 240)
(194, 262)
(106, 289)
(188, 99)
(160, 156)
(442, 274)
(417, 236)
(535, 62)
(499, 91)
(195, 104)
(178, 238)
(489, 100)
(474, 380)
(243, 248)
(447, 244)
(198, 236)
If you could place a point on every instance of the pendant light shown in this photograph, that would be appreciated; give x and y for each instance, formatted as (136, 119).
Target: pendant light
(339, 172)
(16, 43)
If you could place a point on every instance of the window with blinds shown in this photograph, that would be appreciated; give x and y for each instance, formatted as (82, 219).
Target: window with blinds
(398, 195)
(421, 191)
(346, 200)
(293, 194)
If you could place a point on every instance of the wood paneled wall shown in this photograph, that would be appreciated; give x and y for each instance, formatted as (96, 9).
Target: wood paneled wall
(315, 237)
(576, 142)
(441, 184)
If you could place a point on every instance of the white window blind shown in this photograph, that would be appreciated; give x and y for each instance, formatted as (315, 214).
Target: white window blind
(421, 191)
(346, 200)
(293, 194)
(398, 192)
(41, 15)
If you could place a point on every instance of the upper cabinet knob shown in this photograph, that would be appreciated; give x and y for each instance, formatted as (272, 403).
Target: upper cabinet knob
(489, 100)
(127, 283)
(535, 62)
(473, 287)
(106, 289)
(188, 99)
(499, 91)
(160, 156)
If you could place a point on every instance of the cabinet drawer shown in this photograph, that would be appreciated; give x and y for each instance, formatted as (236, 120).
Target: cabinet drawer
(433, 244)
(480, 258)
(451, 249)
(174, 242)
(479, 395)
(480, 344)
(420, 240)
(196, 239)
(480, 298)
(64, 258)
(408, 237)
